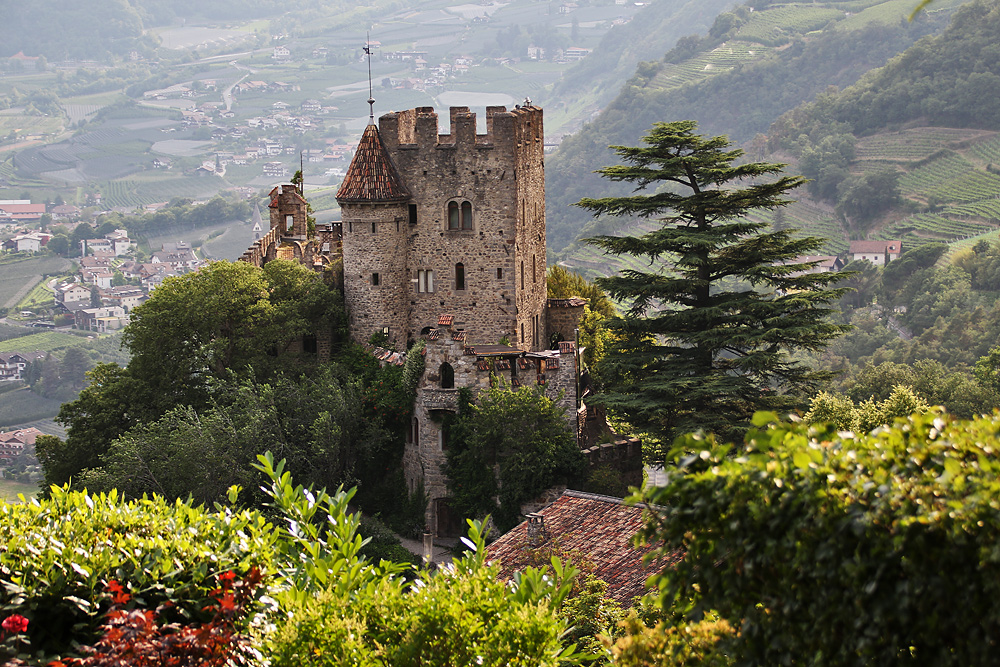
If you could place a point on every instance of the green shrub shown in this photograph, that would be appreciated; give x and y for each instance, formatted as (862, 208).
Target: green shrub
(830, 547)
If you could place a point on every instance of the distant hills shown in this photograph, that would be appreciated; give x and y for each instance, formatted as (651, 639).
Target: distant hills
(760, 62)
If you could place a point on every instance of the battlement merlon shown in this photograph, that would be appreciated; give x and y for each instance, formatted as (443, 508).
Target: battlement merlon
(418, 128)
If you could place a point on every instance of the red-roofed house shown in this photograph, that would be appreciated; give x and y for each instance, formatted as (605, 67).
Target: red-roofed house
(21, 211)
(13, 443)
(876, 252)
(598, 528)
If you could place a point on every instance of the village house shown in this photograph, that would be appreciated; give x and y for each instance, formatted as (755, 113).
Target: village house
(103, 319)
(876, 252)
(13, 364)
(15, 443)
(70, 293)
(125, 296)
(20, 212)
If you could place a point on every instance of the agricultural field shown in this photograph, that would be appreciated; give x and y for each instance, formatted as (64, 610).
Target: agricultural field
(46, 341)
(720, 59)
(908, 146)
(889, 13)
(10, 490)
(773, 25)
(19, 276)
(21, 406)
(949, 166)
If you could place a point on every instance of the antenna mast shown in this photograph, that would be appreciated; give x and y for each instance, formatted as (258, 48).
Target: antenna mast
(302, 176)
(371, 100)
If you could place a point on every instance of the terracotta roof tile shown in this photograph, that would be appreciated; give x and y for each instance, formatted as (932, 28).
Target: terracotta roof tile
(600, 529)
(445, 320)
(372, 176)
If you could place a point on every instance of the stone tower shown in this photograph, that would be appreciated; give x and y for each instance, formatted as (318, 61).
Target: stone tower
(444, 239)
(447, 223)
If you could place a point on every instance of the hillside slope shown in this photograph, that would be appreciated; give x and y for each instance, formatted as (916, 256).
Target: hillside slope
(753, 66)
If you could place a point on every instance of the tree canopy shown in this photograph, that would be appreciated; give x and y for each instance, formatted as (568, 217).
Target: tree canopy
(706, 334)
(834, 547)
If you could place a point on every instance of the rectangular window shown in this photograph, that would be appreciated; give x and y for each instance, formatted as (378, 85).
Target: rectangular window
(375, 280)
(499, 274)
(425, 280)
(289, 222)
(460, 276)
(413, 214)
(373, 228)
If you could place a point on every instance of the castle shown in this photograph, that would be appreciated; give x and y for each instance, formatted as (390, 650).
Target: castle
(443, 239)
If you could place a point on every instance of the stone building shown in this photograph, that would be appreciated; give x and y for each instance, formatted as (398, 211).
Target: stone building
(444, 239)
(455, 223)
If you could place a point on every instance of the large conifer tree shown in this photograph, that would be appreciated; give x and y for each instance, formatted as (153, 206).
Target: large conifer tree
(706, 333)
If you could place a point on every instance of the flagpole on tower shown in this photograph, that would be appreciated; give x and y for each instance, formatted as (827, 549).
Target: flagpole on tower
(371, 99)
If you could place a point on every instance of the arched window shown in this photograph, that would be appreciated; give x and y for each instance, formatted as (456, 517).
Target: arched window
(460, 276)
(447, 376)
(459, 215)
(466, 215)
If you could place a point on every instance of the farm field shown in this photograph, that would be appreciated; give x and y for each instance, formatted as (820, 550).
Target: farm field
(19, 276)
(21, 406)
(9, 490)
(45, 341)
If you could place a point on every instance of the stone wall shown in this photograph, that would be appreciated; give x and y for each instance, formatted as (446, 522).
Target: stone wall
(563, 317)
(501, 175)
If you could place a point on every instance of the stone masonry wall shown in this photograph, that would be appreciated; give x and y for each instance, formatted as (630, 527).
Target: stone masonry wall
(500, 174)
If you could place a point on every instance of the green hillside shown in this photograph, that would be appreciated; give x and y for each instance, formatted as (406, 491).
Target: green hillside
(926, 124)
(755, 64)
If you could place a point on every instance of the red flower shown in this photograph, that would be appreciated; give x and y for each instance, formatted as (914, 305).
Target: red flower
(15, 624)
(118, 594)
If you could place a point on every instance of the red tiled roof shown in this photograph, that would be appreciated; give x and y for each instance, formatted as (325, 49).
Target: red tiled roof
(445, 320)
(892, 246)
(372, 176)
(600, 529)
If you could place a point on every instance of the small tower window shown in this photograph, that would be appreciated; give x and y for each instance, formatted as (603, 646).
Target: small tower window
(460, 276)
(289, 223)
(425, 280)
(459, 215)
(447, 374)
(534, 270)
(522, 275)
(376, 280)
(413, 214)
(373, 228)
(499, 274)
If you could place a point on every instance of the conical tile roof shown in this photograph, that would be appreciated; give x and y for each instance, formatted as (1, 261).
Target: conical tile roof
(372, 177)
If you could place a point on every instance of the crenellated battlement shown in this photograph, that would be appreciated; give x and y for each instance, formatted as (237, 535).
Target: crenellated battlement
(418, 128)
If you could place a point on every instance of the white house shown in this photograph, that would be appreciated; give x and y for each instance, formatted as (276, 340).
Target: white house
(876, 252)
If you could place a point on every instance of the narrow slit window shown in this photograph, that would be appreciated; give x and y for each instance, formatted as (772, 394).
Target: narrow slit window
(460, 276)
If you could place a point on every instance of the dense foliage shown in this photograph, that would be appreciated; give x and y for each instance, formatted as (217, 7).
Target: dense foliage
(925, 82)
(505, 449)
(829, 547)
(707, 330)
(147, 579)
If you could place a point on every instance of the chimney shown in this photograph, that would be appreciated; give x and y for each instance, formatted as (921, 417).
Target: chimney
(536, 529)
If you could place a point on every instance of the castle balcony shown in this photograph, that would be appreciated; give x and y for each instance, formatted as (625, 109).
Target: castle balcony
(441, 399)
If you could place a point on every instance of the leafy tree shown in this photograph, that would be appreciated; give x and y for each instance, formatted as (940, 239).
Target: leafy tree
(828, 547)
(844, 414)
(704, 341)
(524, 437)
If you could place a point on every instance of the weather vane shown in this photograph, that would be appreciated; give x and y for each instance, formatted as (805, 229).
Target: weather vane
(371, 99)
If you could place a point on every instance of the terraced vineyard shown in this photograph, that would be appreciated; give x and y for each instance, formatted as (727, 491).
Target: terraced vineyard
(773, 25)
(45, 341)
(972, 186)
(910, 146)
(988, 151)
(949, 166)
(133, 193)
(933, 227)
(720, 59)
